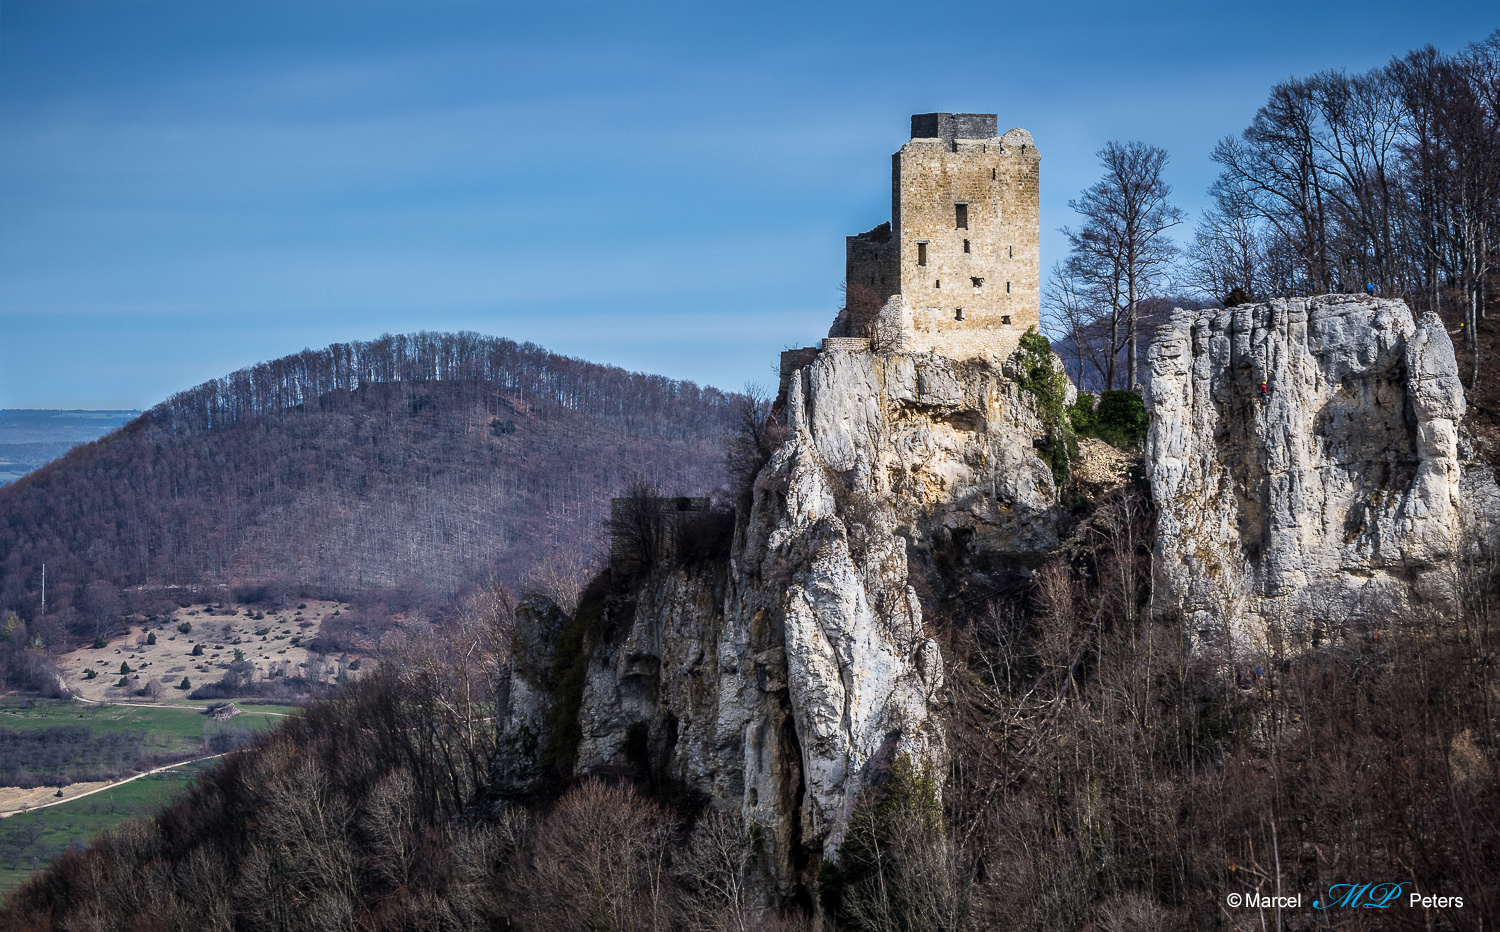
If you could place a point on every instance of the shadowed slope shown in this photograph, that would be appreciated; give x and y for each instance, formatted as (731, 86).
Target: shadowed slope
(429, 457)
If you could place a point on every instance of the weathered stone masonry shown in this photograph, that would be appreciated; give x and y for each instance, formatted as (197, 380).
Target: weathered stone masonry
(958, 267)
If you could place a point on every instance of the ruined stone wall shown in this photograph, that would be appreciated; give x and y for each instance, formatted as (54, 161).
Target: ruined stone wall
(968, 285)
(791, 361)
(996, 178)
(873, 260)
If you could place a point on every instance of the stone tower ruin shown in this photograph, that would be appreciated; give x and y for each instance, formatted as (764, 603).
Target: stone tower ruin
(958, 265)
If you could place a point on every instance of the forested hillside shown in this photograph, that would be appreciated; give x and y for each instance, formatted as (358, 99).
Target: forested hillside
(420, 460)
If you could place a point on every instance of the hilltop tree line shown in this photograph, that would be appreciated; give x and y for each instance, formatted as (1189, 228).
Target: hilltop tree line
(1386, 181)
(415, 462)
(641, 405)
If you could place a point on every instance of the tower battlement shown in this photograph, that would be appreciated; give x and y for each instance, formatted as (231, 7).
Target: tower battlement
(953, 126)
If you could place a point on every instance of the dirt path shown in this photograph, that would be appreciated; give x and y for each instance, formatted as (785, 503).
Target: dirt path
(108, 786)
(168, 705)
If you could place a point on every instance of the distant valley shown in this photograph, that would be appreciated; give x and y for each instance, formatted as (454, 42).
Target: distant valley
(32, 437)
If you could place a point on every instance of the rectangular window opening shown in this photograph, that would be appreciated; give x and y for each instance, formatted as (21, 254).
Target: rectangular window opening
(1007, 287)
(961, 216)
(938, 283)
(958, 314)
(921, 253)
(966, 246)
(992, 174)
(1005, 318)
(978, 282)
(1012, 251)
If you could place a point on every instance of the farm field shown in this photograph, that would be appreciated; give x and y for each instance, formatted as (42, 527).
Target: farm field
(32, 836)
(29, 841)
(76, 746)
(179, 725)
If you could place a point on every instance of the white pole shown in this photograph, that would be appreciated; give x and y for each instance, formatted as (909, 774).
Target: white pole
(44, 590)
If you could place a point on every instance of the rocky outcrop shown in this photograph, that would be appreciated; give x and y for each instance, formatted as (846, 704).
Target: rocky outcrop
(1306, 450)
(782, 683)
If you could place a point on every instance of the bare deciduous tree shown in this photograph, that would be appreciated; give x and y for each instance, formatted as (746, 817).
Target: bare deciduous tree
(562, 577)
(1122, 252)
(637, 528)
(756, 435)
(599, 861)
(714, 873)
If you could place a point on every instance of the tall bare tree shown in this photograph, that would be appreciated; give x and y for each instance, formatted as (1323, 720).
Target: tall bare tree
(1122, 249)
(1452, 150)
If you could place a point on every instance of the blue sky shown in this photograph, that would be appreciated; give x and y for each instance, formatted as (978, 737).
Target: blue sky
(190, 187)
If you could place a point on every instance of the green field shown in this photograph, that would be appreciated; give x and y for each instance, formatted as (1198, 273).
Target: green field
(168, 730)
(29, 841)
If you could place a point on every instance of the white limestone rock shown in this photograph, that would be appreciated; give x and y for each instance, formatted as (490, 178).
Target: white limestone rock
(785, 683)
(1347, 477)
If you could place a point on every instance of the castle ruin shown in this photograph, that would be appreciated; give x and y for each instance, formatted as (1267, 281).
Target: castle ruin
(956, 271)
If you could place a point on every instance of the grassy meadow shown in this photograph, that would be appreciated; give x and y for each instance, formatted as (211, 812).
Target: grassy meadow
(32, 838)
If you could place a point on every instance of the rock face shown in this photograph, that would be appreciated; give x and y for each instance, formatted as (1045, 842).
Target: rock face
(1347, 476)
(781, 684)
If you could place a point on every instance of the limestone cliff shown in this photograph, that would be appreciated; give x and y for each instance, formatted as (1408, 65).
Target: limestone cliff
(780, 684)
(1306, 450)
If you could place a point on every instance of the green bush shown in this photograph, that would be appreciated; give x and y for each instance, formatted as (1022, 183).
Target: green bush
(185, 684)
(197, 650)
(1081, 414)
(1049, 385)
(151, 639)
(186, 627)
(1121, 418)
(124, 668)
(568, 672)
